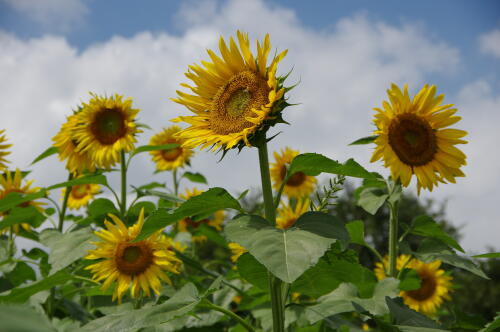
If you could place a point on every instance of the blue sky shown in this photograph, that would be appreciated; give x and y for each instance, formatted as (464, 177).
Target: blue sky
(344, 53)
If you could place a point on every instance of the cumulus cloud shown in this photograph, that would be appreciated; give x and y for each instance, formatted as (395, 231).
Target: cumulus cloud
(343, 73)
(54, 15)
(489, 43)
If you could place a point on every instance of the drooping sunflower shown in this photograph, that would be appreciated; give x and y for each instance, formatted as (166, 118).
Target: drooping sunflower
(170, 159)
(106, 126)
(413, 138)
(235, 96)
(189, 225)
(299, 184)
(134, 265)
(3, 150)
(287, 215)
(434, 288)
(9, 184)
(81, 195)
(236, 250)
(67, 144)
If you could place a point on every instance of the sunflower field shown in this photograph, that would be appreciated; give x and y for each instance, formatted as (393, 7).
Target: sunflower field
(171, 257)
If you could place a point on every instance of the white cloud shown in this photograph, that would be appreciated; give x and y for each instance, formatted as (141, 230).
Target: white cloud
(53, 15)
(343, 73)
(489, 43)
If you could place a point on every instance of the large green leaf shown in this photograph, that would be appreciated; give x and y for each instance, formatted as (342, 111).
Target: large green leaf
(316, 281)
(356, 231)
(17, 215)
(68, 247)
(96, 179)
(405, 316)
(14, 199)
(427, 227)
(372, 199)
(314, 164)
(20, 274)
(195, 177)
(22, 318)
(253, 272)
(183, 302)
(287, 253)
(432, 249)
(22, 294)
(342, 299)
(210, 201)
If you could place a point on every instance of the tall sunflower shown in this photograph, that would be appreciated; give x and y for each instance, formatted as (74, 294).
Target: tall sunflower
(413, 138)
(9, 184)
(67, 144)
(235, 96)
(170, 159)
(299, 184)
(287, 215)
(134, 265)
(81, 194)
(3, 150)
(189, 225)
(106, 126)
(434, 288)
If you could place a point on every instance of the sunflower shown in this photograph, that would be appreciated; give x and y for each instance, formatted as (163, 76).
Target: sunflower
(189, 225)
(134, 265)
(170, 159)
(81, 194)
(235, 96)
(236, 251)
(9, 184)
(434, 288)
(287, 215)
(299, 184)
(413, 138)
(66, 144)
(3, 150)
(106, 126)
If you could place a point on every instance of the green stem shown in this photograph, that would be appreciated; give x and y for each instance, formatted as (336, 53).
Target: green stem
(275, 284)
(393, 239)
(62, 214)
(176, 183)
(123, 201)
(11, 242)
(229, 313)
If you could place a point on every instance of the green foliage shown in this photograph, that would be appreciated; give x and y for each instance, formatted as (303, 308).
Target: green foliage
(287, 253)
(87, 179)
(47, 153)
(365, 140)
(195, 177)
(315, 164)
(23, 318)
(29, 215)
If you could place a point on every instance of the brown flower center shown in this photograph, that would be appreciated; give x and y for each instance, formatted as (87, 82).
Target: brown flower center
(427, 288)
(108, 126)
(235, 100)
(80, 191)
(133, 258)
(171, 154)
(412, 139)
(295, 180)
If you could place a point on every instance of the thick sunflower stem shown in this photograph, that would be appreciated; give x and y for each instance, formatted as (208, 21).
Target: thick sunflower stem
(393, 238)
(62, 214)
(11, 242)
(275, 284)
(123, 201)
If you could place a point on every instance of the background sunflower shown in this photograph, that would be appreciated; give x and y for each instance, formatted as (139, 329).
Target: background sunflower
(169, 159)
(413, 138)
(81, 195)
(3, 150)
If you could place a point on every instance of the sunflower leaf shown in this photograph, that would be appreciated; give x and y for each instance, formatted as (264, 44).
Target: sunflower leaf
(365, 140)
(488, 255)
(23, 318)
(407, 317)
(426, 226)
(287, 253)
(253, 272)
(29, 215)
(371, 199)
(493, 326)
(94, 179)
(147, 148)
(206, 203)
(314, 164)
(47, 153)
(180, 304)
(13, 199)
(195, 177)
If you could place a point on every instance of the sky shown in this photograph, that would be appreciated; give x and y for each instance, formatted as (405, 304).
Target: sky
(344, 55)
